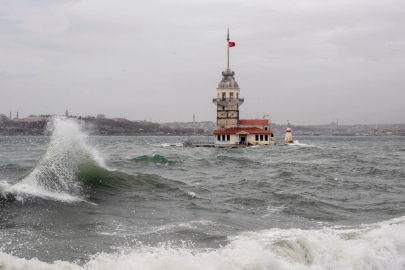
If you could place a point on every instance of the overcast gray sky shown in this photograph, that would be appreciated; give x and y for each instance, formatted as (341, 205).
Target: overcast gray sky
(304, 60)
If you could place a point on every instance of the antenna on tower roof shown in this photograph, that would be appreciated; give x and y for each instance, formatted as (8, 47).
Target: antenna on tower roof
(228, 47)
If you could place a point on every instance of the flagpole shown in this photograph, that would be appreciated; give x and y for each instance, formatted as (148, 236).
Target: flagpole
(228, 48)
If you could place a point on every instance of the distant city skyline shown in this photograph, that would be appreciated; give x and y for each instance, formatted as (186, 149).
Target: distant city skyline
(306, 61)
(333, 120)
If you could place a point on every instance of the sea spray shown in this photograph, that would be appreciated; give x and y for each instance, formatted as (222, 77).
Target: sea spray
(55, 174)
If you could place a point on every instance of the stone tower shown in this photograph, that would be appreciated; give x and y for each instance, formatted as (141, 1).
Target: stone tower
(228, 98)
(228, 101)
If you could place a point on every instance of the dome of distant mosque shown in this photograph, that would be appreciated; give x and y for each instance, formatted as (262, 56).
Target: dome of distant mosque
(228, 81)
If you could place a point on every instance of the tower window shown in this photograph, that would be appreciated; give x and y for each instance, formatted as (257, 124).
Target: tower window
(223, 95)
(265, 128)
(231, 95)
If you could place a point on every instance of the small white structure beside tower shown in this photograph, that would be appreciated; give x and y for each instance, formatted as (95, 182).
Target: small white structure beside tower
(288, 135)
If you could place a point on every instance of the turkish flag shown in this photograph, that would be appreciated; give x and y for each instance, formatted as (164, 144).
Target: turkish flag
(231, 44)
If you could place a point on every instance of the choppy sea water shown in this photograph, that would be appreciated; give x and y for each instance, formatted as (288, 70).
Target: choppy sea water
(77, 202)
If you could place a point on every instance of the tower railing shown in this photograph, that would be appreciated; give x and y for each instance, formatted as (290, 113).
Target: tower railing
(228, 99)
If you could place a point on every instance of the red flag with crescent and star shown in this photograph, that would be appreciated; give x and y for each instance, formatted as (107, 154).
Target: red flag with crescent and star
(231, 44)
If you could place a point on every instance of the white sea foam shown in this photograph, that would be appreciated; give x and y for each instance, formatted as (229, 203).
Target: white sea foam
(177, 144)
(375, 246)
(191, 194)
(55, 174)
(22, 191)
(271, 210)
(297, 143)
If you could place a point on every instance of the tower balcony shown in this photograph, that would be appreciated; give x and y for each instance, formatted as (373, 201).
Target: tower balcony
(228, 101)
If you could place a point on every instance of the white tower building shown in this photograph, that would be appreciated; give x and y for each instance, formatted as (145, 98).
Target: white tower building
(288, 135)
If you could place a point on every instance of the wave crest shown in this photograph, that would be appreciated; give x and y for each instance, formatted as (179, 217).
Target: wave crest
(375, 246)
(55, 174)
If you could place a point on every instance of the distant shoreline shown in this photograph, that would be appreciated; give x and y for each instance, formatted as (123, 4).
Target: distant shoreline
(38, 126)
(210, 135)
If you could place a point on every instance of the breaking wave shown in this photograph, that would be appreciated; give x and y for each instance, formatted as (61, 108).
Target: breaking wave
(374, 246)
(55, 176)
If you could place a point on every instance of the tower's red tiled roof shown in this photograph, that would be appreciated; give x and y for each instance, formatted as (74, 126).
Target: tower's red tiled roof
(253, 122)
(247, 130)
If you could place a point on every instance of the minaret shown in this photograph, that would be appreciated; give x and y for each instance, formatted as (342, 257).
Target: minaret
(193, 123)
(10, 115)
(17, 114)
(288, 135)
(228, 98)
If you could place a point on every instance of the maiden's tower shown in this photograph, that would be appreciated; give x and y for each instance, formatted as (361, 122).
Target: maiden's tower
(231, 131)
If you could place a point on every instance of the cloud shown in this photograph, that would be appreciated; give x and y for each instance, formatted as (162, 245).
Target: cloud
(319, 58)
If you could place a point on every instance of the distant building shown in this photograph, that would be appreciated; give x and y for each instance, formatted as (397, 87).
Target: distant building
(101, 116)
(35, 118)
(333, 123)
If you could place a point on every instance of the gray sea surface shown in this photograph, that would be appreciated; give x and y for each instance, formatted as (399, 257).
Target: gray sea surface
(71, 201)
